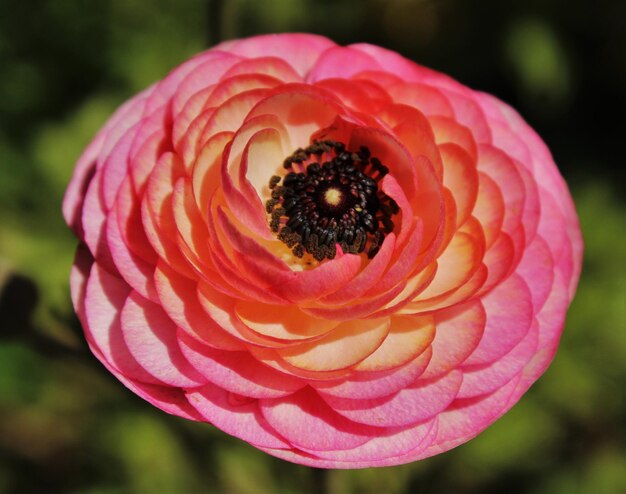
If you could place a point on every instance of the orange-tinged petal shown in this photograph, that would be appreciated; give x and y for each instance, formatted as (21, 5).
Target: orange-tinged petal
(427, 99)
(282, 322)
(232, 86)
(272, 66)
(461, 178)
(456, 265)
(304, 109)
(205, 74)
(489, 208)
(205, 174)
(448, 130)
(458, 332)
(408, 337)
(346, 345)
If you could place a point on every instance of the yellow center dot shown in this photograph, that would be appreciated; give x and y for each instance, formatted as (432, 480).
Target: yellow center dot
(333, 196)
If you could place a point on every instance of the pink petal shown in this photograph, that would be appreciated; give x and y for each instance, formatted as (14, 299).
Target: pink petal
(403, 264)
(94, 223)
(168, 399)
(115, 167)
(151, 339)
(307, 422)
(429, 100)
(127, 211)
(466, 418)
(488, 379)
(378, 451)
(411, 405)
(179, 299)
(367, 277)
(394, 63)
(235, 415)
(537, 269)
(135, 271)
(509, 316)
(163, 90)
(192, 233)
(79, 275)
(206, 169)
(341, 62)
(364, 385)
(221, 309)
(458, 332)
(85, 167)
(298, 50)
(305, 108)
(104, 299)
(456, 265)
(469, 113)
(237, 372)
(357, 94)
(213, 67)
(272, 66)
(500, 168)
(238, 84)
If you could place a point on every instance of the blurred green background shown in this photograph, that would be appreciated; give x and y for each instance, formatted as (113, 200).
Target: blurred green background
(67, 426)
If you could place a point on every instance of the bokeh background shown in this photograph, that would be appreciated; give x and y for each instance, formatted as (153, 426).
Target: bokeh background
(67, 426)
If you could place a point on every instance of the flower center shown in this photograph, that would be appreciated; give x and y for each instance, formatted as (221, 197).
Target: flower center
(331, 196)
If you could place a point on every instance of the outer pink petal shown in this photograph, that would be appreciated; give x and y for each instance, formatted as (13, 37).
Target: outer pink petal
(151, 339)
(379, 450)
(537, 268)
(341, 62)
(104, 298)
(488, 379)
(509, 316)
(403, 68)
(415, 403)
(308, 423)
(85, 167)
(272, 66)
(298, 50)
(213, 67)
(94, 223)
(136, 271)
(237, 415)
(168, 399)
(237, 372)
(466, 419)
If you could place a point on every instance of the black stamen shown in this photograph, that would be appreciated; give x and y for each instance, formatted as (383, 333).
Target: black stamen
(335, 202)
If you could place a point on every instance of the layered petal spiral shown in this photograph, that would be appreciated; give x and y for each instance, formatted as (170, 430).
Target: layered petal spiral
(335, 254)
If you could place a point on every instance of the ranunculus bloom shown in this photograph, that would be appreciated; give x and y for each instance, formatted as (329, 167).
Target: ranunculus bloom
(337, 255)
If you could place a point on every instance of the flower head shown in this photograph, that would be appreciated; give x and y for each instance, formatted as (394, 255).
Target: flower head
(337, 255)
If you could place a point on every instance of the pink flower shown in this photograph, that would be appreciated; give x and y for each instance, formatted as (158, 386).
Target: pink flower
(337, 255)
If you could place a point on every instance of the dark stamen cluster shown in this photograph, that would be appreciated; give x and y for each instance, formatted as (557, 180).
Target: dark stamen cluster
(331, 196)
